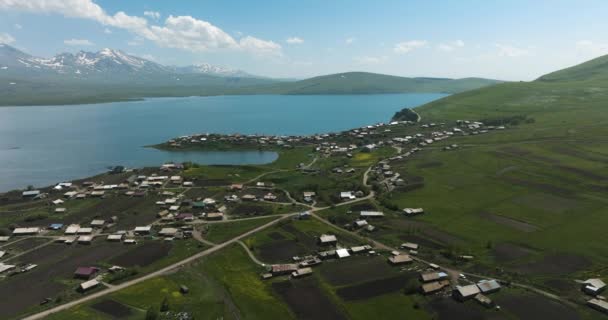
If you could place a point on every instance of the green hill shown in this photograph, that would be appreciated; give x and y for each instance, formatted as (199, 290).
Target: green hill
(596, 69)
(538, 186)
(16, 88)
(369, 83)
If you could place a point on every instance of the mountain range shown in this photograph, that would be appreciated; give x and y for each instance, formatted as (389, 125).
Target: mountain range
(105, 61)
(113, 75)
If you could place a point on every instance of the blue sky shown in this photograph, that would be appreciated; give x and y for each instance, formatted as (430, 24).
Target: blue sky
(511, 40)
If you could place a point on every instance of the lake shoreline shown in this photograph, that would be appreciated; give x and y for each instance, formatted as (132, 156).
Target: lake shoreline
(40, 145)
(86, 102)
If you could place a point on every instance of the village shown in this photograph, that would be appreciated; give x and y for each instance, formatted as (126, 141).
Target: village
(179, 208)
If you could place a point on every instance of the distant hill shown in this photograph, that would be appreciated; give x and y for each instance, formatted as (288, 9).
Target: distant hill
(575, 93)
(596, 69)
(112, 75)
(368, 83)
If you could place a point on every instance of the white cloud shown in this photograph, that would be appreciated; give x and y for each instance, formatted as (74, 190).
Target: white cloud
(409, 46)
(152, 14)
(294, 40)
(350, 40)
(18, 26)
(450, 46)
(6, 38)
(369, 60)
(78, 42)
(259, 46)
(137, 41)
(179, 32)
(107, 31)
(510, 51)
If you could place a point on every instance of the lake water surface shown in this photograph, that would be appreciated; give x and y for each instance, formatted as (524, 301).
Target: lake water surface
(43, 145)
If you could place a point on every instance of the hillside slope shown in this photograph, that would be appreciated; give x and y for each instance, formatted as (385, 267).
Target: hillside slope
(596, 69)
(530, 186)
(369, 83)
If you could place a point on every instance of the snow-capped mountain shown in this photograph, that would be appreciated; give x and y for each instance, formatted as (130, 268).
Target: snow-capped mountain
(103, 62)
(212, 70)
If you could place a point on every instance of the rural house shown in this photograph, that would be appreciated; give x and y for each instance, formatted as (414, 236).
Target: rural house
(280, 269)
(327, 239)
(488, 286)
(86, 286)
(593, 286)
(432, 287)
(85, 273)
(466, 292)
(400, 259)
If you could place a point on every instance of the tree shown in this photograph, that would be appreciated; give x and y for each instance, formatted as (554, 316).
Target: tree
(152, 314)
(164, 306)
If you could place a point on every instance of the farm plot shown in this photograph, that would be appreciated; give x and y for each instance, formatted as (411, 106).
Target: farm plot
(446, 308)
(299, 237)
(554, 265)
(375, 288)
(307, 300)
(114, 309)
(56, 265)
(280, 251)
(143, 255)
(356, 270)
(528, 306)
(507, 252)
(509, 222)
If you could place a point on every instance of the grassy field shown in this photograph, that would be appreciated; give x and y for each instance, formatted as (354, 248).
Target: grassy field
(528, 201)
(220, 232)
(224, 285)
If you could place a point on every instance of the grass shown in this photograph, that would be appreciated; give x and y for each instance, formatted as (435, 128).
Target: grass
(305, 232)
(221, 232)
(548, 172)
(222, 285)
(386, 307)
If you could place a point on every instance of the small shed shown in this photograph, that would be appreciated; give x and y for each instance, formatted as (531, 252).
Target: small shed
(400, 259)
(85, 239)
(326, 239)
(342, 253)
(88, 285)
(168, 232)
(302, 272)
(85, 273)
(215, 216)
(183, 289)
(143, 229)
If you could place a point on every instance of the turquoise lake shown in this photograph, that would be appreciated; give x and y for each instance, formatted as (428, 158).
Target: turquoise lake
(48, 144)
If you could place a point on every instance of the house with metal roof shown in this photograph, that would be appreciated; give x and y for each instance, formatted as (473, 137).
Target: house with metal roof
(342, 253)
(85, 272)
(488, 286)
(432, 287)
(400, 259)
(466, 292)
(433, 276)
(599, 305)
(593, 286)
(326, 239)
(88, 285)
